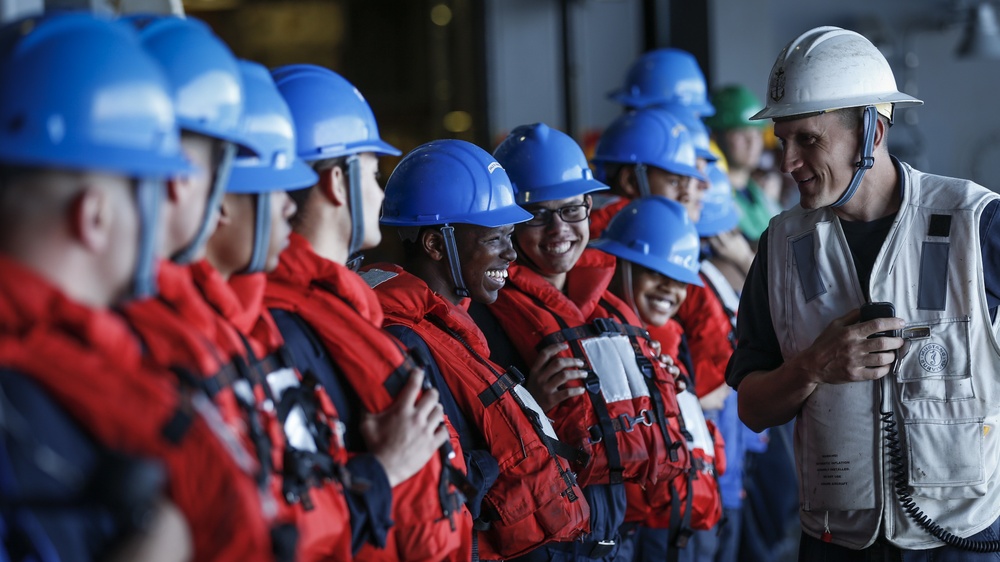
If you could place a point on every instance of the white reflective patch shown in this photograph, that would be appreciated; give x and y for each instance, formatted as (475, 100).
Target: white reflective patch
(694, 422)
(613, 359)
(297, 432)
(243, 391)
(281, 380)
(529, 401)
(296, 426)
(375, 277)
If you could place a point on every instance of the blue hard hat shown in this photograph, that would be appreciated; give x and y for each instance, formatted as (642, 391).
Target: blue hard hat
(651, 137)
(450, 181)
(545, 164)
(202, 71)
(665, 76)
(657, 234)
(80, 93)
(719, 212)
(332, 118)
(267, 124)
(696, 128)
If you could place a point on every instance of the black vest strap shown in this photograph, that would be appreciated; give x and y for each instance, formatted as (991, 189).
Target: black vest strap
(597, 328)
(648, 374)
(680, 525)
(569, 478)
(605, 428)
(503, 384)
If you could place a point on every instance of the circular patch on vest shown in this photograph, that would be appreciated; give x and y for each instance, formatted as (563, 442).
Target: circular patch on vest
(933, 357)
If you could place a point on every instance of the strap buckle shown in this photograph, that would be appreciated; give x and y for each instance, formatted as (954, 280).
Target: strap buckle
(606, 326)
(601, 549)
(646, 417)
(596, 435)
(627, 423)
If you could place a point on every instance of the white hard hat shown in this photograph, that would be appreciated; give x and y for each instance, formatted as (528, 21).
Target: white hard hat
(829, 68)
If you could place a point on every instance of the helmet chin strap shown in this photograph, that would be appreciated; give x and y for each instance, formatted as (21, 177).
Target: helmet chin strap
(261, 234)
(867, 159)
(642, 179)
(451, 250)
(187, 254)
(354, 256)
(627, 291)
(149, 196)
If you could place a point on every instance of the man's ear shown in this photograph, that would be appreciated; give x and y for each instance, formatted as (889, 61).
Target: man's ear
(880, 129)
(175, 188)
(333, 185)
(226, 210)
(90, 216)
(627, 183)
(431, 241)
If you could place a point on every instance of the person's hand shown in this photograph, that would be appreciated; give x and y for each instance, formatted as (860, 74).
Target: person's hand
(715, 399)
(549, 374)
(733, 247)
(166, 539)
(666, 361)
(407, 433)
(843, 353)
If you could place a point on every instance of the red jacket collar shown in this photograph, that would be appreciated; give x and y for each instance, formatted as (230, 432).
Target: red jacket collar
(407, 297)
(177, 288)
(301, 267)
(241, 301)
(29, 302)
(586, 284)
(600, 217)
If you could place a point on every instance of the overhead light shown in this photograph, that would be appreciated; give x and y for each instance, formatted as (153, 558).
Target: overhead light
(982, 34)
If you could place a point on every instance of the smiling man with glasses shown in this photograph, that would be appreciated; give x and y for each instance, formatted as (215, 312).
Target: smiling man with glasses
(577, 211)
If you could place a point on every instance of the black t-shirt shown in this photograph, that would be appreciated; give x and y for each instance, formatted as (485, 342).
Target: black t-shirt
(757, 344)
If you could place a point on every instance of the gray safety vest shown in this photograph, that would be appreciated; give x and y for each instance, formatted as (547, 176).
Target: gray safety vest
(945, 397)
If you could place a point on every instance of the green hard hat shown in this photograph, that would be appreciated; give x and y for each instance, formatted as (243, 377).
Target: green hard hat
(734, 105)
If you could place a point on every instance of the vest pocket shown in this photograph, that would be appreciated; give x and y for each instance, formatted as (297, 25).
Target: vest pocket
(937, 364)
(946, 458)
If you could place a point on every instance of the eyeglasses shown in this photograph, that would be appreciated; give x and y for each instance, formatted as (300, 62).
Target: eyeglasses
(569, 213)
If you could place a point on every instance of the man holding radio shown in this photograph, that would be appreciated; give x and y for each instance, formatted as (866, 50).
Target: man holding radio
(869, 315)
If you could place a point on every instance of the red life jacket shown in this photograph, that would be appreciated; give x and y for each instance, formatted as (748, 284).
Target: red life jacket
(623, 390)
(692, 501)
(180, 331)
(91, 364)
(345, 313)
(306, 455)
(708, 330)
(536, 498)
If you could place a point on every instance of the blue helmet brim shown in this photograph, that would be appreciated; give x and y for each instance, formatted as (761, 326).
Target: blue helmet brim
(264, 179)
(671, 270)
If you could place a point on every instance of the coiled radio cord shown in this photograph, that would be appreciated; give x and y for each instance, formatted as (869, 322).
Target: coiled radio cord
(897, 464)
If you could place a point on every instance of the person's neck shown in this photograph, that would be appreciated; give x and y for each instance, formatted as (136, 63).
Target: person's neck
(325, 241)
(878, 195)
(71, 272)
(739, 177)
(225, 271)
(557, 280)
(436, 275)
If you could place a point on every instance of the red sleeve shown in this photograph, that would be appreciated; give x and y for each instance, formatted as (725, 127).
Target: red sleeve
(709, 333)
